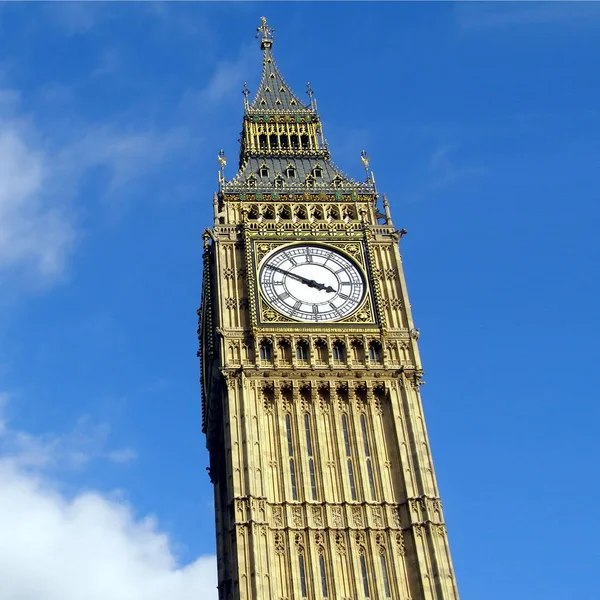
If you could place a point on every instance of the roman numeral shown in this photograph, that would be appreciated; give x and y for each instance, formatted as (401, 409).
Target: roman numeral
(344, 296)
(292, 260)
(297, 305)
(284, 295)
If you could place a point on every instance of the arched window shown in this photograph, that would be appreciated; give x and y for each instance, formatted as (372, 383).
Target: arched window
(317, 171)
(251, 181)
(302, 351)
(290, 171)
(266, 350)
(279, 181)
(358, 352)
(285, 351)
(262, 141)
(375, 353)
(264, 170)
(321, 352)
(338, 351)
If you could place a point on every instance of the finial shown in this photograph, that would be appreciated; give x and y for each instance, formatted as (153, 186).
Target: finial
(310, 93)
(222, 160)
(365, 161)
(246, 93)
(265, 33)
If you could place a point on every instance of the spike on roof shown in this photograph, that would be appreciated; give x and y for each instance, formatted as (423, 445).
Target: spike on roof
(273, 92)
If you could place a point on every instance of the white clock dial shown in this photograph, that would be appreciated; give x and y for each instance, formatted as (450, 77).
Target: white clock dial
(312, 283)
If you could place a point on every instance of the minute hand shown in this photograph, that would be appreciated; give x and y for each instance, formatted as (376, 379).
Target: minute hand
(309, 282)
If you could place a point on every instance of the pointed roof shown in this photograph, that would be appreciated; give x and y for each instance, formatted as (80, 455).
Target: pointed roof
(273, 92)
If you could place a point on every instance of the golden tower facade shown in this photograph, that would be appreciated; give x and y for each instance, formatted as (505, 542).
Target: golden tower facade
(323, 478)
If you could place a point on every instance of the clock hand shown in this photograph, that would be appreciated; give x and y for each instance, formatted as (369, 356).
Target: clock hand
(309, 282)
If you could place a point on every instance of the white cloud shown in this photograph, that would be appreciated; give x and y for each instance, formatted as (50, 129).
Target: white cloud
(36, 234)
(86, 442)
(87, 547)
(40, 176)
(226, 83)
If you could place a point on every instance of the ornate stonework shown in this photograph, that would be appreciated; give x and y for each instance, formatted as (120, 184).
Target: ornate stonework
(319, 456)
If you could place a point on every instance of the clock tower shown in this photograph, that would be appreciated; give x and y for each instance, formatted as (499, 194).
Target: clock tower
(323, 478)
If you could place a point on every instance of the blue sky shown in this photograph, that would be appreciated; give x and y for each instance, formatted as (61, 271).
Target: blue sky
(483, 128)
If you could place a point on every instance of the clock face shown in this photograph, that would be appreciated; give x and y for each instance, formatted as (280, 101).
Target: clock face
(312, 283)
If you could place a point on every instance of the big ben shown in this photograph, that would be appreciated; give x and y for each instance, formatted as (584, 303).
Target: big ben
(310, 372)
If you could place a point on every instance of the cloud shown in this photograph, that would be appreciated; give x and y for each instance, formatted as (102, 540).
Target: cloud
(228, 78)
(40, 176)
(88, 546)
(36, 233)
(86, 442)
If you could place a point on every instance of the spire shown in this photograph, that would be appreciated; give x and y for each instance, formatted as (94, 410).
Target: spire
(273, 92)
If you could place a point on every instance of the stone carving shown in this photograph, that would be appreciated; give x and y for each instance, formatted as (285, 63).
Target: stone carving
(279, 543)
(297, 516)
(340, 543)
(377, 516)
(277, 516)
(317, 516)
(400, 547)
(230, 302)
(336, 516)
(357, 518)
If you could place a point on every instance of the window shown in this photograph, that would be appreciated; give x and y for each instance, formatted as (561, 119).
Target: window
(302, 575)
(302, 351)
(386, 580)
(311, 458)
(288, 427)
(375, 351)
(251, 181)
(265, 350)
(264, 170)
(290, 171)
(278, 182)
(338, 351)
(323, 576)
(337, 182)
(317, 171)
(365, 578)
(363, 426)
(349, 457)
(321, 351)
